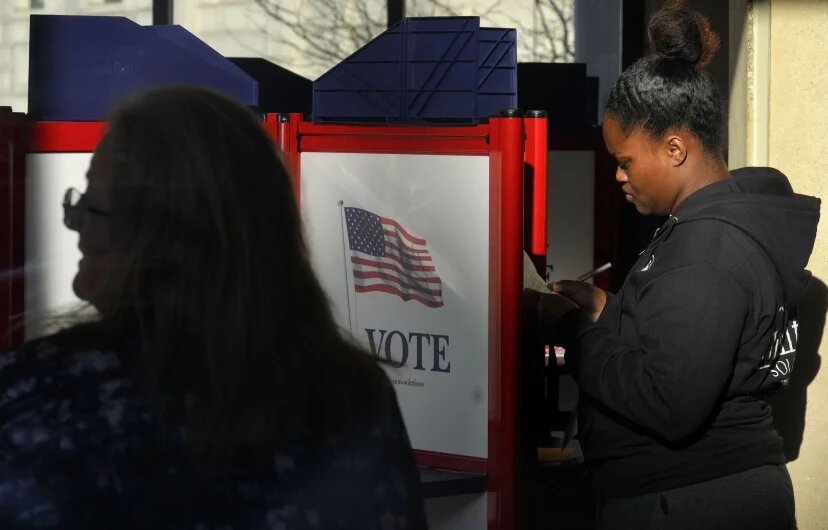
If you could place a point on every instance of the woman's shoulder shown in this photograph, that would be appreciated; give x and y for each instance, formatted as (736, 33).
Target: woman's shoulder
(57, 356)
(59, 396)
(712, 242)
(67, 411)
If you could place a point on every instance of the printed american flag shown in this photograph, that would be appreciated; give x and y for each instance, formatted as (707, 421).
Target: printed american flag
(386, 258)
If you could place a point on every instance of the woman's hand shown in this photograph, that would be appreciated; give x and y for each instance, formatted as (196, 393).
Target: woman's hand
(588, 297)
(546, 308)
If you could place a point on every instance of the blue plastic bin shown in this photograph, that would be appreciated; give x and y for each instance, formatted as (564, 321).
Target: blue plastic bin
(423, 70)
(81, 67)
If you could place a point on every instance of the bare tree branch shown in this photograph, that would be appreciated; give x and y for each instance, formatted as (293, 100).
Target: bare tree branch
(321, 33)
(565, 22)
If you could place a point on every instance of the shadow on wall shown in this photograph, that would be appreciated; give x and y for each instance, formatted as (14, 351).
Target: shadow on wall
(789, 406)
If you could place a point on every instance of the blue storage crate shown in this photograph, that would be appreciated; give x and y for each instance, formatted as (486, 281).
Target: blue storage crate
(423, 70)
(497, 73)
(81, 67)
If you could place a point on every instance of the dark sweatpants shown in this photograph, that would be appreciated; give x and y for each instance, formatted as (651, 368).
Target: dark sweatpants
(757, 499)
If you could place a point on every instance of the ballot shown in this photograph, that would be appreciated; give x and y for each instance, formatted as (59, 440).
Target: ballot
(531, 278)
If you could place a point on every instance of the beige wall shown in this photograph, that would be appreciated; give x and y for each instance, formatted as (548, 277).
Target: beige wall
(797, 145)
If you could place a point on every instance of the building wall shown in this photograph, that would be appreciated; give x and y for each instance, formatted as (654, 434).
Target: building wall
(798, 126)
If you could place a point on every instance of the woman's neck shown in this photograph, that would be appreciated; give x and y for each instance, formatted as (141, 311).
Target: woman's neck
(701, 174)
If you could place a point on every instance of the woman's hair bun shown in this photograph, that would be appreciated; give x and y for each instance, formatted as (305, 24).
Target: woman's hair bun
(677, 32)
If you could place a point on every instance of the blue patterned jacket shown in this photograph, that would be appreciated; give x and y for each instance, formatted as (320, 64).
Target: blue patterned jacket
(79, 448)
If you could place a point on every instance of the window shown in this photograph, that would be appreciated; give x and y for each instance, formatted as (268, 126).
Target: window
(306, 36)
(545, 28)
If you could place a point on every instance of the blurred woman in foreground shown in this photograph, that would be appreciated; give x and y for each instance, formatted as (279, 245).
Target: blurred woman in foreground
(215, 389)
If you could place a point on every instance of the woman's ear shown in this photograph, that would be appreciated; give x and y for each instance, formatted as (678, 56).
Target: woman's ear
(676, 149)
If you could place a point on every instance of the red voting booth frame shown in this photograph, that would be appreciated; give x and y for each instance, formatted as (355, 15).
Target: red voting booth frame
(517, 151)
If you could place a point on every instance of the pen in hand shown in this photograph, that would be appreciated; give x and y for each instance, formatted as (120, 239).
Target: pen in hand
(589, 274)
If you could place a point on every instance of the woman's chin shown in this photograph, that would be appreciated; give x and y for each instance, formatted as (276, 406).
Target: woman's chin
(644, 209)
(84, 285)
(79, 287)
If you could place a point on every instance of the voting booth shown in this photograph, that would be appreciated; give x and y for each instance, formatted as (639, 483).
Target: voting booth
(417, 236)
(419, 192)
(415, 215)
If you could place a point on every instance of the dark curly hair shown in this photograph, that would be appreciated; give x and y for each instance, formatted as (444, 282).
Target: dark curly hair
(669, 89)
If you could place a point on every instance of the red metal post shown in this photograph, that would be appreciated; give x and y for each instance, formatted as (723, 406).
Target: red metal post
(288, 143)
(536, 160)
(507, 158)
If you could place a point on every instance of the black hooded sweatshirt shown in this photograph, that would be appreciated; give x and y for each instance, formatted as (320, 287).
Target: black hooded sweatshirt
(671, 375)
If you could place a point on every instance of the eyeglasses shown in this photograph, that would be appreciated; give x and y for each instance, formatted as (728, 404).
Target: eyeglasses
(74, 204)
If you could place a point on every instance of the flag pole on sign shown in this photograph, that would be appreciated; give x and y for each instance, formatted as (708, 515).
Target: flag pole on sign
(348, 270)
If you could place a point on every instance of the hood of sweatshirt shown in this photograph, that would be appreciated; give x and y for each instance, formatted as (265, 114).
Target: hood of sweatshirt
(761, 202)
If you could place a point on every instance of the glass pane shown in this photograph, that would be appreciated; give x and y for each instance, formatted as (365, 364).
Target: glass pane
(305, 36)
(561, 31)
(545, 28)
(14, 36)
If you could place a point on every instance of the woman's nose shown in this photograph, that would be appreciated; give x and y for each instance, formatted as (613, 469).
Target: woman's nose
(72, 219)
(620, 175)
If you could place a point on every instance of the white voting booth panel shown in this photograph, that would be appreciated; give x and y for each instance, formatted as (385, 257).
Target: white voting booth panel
(51, 249)
(438, 355)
